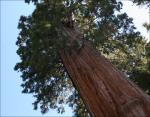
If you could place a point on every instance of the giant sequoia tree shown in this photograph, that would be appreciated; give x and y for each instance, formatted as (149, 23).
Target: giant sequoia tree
(60, 46)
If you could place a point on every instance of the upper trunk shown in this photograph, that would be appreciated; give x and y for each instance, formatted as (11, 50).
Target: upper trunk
(104, 89)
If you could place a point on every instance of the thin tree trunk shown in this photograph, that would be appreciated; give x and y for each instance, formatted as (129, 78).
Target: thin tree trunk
(104, 89)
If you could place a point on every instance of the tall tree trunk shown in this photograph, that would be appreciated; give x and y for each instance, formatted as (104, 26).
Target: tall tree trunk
(104, 89)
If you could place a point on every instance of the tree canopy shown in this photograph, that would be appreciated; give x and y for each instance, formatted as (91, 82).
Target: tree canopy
(142, 2)
(42, 36)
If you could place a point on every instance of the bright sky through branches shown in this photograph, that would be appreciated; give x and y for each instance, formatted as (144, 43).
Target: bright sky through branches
(140, 15)
(13, 103)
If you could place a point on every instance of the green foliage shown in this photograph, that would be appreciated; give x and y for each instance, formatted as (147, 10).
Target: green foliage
(42, 70)
(142, 2)
(134, 61)
(147, 26)
(138, 69)
(42, 37)
(28, 1)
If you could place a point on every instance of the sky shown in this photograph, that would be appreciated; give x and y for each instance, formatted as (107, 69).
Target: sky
(13, 102)
(140, 15)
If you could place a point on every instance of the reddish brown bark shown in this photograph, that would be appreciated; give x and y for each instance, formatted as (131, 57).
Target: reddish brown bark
(104, 89)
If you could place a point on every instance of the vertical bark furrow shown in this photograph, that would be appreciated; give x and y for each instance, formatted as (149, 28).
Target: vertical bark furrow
(104, 89)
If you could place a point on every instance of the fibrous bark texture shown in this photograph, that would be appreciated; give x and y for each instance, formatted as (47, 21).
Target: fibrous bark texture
(104, 89)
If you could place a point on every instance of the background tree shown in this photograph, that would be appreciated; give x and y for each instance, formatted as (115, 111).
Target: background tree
(42, 37)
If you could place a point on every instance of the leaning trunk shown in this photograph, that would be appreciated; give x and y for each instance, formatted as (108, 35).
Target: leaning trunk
(104, 89)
